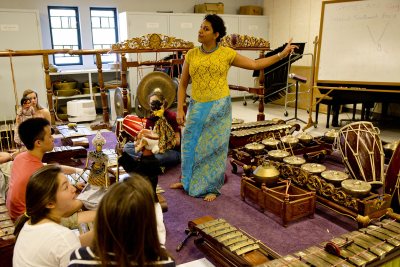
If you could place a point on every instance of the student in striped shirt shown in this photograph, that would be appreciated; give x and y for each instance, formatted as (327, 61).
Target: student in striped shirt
(125, 229)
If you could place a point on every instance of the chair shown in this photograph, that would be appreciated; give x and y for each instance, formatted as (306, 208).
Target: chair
(330, 102)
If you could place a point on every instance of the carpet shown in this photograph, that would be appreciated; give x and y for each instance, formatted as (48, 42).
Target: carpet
(263, 226)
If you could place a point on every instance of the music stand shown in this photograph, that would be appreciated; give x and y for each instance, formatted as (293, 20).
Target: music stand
(298, 79)
(275, 76)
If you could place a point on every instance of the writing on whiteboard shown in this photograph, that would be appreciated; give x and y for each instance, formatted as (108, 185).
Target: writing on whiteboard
(9, 27)
(152, 25)
(186, 25)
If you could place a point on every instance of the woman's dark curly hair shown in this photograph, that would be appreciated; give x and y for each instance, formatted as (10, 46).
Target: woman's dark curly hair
(218, 25)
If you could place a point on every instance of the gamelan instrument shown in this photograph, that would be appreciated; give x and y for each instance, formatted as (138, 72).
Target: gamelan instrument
(156, 80)
(392, 179)
(127, 128)
(68, 155)
(375, 245)
(228, 245)
(278, 197)
(7, 238)
(244, 133)
(354, 199)
(362, 151)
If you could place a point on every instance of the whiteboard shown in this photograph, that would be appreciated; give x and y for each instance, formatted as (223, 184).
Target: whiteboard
(20, 30)
(359, 43)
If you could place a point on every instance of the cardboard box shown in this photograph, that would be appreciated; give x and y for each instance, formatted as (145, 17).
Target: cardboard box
(251, 10)
(210, 8)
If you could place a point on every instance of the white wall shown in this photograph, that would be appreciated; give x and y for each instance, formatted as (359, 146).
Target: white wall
(298, 19)
(177, 6)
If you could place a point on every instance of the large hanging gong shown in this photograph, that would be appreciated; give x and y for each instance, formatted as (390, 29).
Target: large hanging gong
(119, 102)
(152, 81)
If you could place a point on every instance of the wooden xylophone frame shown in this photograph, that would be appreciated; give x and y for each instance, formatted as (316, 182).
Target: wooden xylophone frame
(295, 204)
(222, 256)
(67, 155)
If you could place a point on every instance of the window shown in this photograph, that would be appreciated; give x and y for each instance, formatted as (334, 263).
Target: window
(65, 34)
(104, 30)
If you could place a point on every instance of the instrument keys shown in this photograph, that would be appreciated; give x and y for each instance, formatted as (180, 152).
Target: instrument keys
(381, 236)
(222, 231)
(247, 249)
(230, 238)
(385, 231)
(216, 227)
(240, 245)
(209, 223)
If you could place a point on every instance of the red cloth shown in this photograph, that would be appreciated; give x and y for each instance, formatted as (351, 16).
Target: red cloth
(23, 167)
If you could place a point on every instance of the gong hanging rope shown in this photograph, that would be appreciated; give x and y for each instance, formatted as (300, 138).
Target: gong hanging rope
(13, 79)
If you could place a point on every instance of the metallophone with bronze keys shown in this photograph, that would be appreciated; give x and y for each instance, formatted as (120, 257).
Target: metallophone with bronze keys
(7, 238)
(227, 245)
(244, 133)
(375, 245)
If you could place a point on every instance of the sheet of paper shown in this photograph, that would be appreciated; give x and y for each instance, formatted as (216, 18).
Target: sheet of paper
(203, 262)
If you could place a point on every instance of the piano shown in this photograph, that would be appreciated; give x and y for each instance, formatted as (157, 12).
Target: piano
(367, 95)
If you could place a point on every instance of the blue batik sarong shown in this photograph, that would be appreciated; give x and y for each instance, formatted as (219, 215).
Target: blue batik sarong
(205, 143)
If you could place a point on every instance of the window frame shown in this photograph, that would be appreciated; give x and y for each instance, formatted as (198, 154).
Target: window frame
(78, 30)
(116, 29)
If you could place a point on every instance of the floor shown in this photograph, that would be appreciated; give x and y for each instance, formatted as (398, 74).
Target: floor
(249, 113)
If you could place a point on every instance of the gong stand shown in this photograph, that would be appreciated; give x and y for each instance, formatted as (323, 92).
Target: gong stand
(45, 55)
(150, 43)
(249, 43)
(105, 124)
(46, 67)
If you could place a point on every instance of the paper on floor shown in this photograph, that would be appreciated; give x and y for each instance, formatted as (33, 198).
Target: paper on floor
(197, 263)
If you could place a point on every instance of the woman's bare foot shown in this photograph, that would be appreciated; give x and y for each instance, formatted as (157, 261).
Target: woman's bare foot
(177, 185)
(210, 197)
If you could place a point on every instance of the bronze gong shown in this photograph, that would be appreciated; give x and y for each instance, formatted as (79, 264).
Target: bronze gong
(152, 81)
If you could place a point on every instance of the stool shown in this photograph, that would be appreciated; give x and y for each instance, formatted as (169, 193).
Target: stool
(329, 101)
(326, 100)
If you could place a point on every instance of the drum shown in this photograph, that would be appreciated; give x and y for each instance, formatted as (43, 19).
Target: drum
(362, 151)
(132, 125)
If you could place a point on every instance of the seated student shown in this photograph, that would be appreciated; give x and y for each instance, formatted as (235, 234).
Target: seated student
(26, 111)
(41, 240)
(36, 135)
(125, 229)
(163, 122)
(40, 112)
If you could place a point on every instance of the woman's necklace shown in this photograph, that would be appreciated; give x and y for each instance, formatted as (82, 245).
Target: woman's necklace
(208, 51)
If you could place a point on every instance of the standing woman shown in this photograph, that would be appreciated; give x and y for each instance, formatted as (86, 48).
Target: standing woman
(40, 112)
(209, 118)
(125, 229)
(41, 240)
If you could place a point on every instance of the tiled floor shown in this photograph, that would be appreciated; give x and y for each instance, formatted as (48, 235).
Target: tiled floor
(388, 133)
